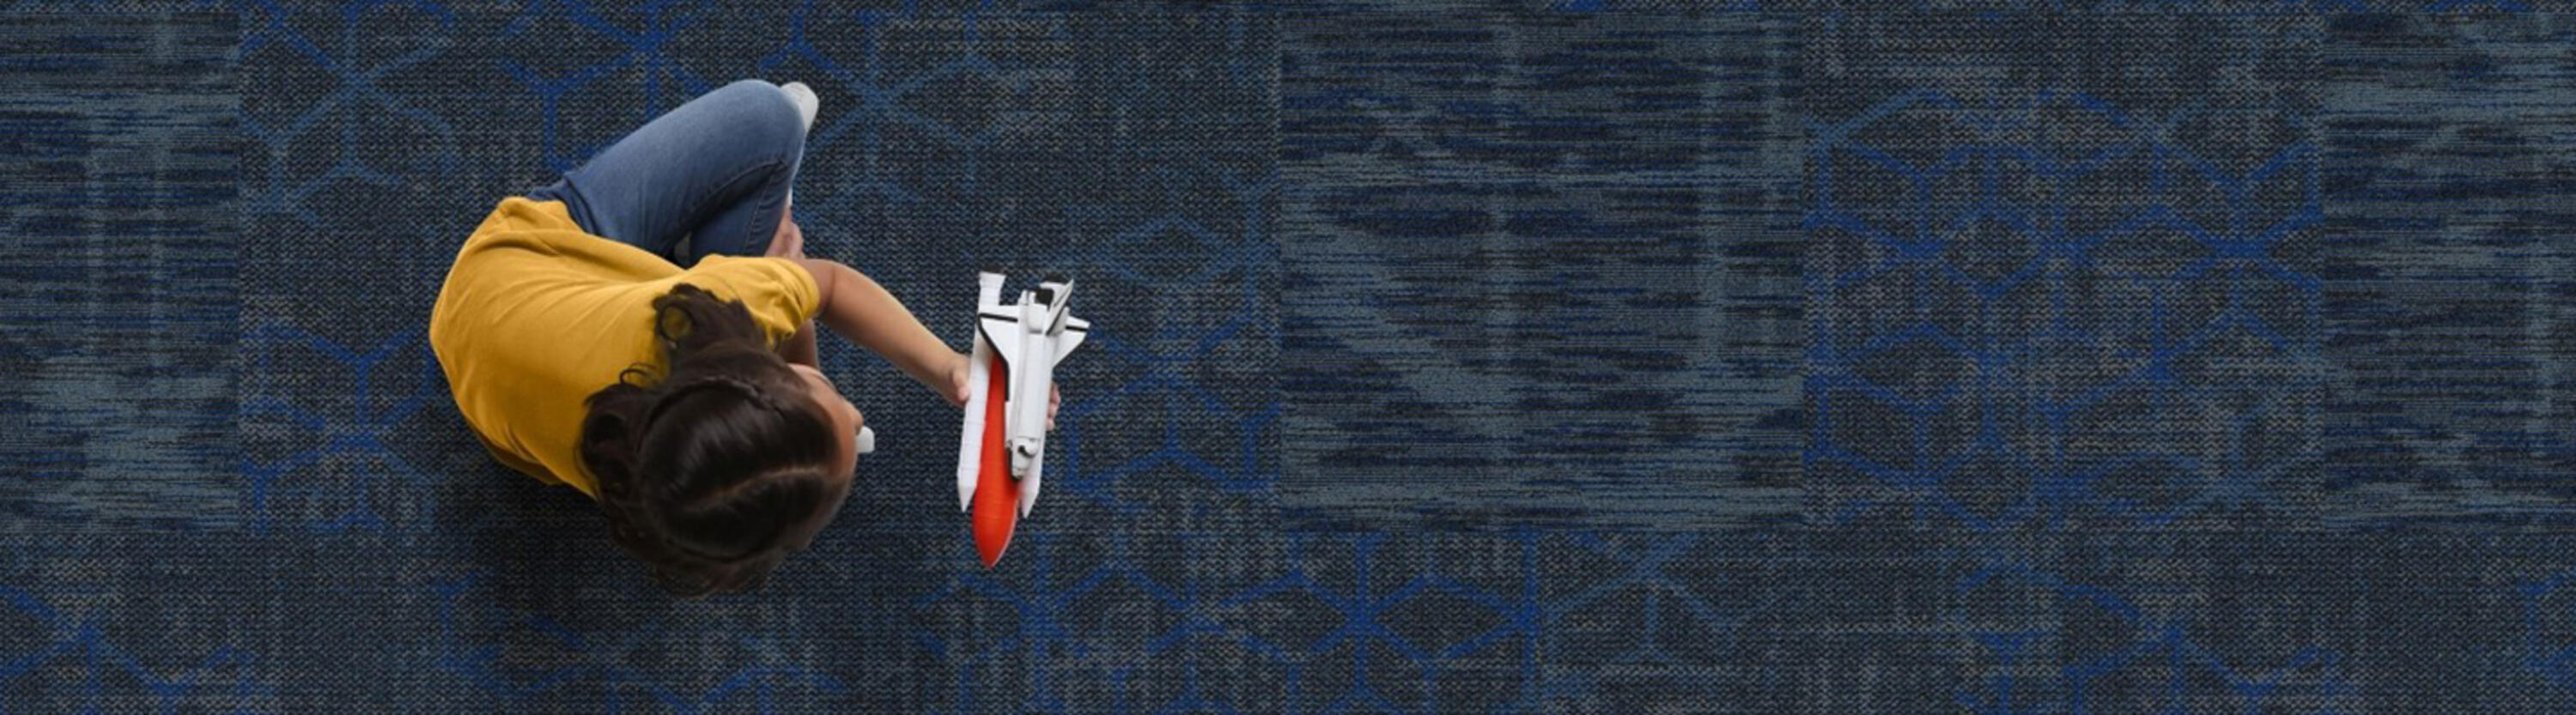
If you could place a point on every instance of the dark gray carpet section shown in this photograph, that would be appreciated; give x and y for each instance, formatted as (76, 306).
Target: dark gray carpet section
(2450, 285)
(1541, 269)
(2062, 270)
(117, 305)
(2199, 622)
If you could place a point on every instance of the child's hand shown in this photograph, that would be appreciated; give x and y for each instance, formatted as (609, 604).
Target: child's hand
(789, 241)
(958, 392)
(957, 389)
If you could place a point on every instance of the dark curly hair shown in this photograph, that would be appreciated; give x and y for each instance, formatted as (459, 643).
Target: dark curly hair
(705, 468)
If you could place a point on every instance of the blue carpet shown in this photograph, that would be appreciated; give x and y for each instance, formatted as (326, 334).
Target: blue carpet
(117, 312)
(1468, 356)
(1541, 270)
(2063, 270)
(2448, 292)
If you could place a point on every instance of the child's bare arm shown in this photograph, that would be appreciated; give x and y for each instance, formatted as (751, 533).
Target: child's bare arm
(801, 349)
(863, 312)
(789, 242)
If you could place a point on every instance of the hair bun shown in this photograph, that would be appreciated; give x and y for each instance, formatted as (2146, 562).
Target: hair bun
(708, 492)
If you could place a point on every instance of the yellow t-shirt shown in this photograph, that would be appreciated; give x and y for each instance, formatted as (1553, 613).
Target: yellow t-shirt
(536, 315)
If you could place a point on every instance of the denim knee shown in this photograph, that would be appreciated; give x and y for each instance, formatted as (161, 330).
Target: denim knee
(765, 110)
(784, 122)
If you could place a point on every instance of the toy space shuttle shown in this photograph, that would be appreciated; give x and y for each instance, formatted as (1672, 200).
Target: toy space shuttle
(1002, 451)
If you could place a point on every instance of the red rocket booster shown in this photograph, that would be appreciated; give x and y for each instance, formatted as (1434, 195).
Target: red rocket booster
(1001, 452)
(995, 495)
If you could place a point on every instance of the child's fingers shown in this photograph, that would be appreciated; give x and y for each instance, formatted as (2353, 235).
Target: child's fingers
(789, 240)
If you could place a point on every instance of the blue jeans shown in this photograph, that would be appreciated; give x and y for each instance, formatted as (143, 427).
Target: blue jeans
(714, 171)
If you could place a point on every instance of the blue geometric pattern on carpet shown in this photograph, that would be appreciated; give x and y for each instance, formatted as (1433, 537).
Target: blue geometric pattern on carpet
(2051, 299)
(343, 442)
(2086, 357)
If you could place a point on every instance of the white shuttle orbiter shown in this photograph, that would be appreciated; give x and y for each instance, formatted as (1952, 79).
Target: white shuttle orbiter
(1001, 454)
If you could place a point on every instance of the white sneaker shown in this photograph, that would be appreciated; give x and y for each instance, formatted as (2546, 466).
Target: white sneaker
(806, 103)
